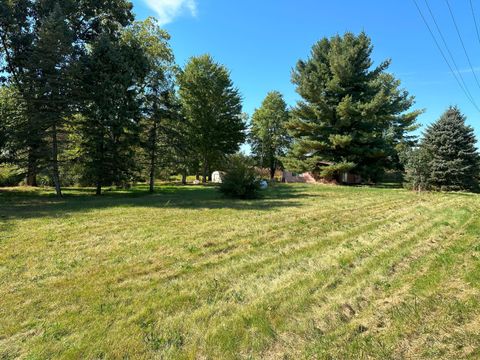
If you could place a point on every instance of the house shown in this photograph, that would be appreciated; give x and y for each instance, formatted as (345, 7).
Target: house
(292, 177)
(347, 178)
(307, 177)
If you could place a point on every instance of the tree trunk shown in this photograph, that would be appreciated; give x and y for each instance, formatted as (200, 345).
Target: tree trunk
(55, 172)
(99, 189)
(152, 172)
(209, 174)
(272, 173)
(205, 170)
(32, 169)
(184, 177)
(153, 156)
(152, 178)
(273, 168)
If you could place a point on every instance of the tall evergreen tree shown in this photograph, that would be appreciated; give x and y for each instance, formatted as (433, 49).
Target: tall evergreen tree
(35, 35)
(50, 82)
(269, 137)
(213, 110)
(352, 114)
(454, 162)
(110, 125)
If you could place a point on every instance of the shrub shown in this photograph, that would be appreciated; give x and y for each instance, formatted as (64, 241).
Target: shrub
(10, 175)
(417, 169)
(240, 180)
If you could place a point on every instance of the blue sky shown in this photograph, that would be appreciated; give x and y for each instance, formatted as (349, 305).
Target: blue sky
(260, 41)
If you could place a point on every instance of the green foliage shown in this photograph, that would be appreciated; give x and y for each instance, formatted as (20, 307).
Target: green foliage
(350, 112)
(417, 169)
(240, 180)
(161, 131)
(213, 110)
(333, 171)
(453, 159)
(110, 127)
(269, 137)
(10, 175)
(13, 126)
(446, 159)
(41, 44)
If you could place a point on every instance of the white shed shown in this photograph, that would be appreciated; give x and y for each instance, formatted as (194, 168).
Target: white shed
(217, 177)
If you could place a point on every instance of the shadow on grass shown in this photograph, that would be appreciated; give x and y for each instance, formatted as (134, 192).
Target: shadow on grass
(25, 204)
(389, 185)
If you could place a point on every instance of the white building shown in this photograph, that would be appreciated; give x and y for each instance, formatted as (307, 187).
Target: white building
(217, 177)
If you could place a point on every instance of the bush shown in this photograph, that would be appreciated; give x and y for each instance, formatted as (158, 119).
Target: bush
(10, 175)
(417, 169)
(240, 180)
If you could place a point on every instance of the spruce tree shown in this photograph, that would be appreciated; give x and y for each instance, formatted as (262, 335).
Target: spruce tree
(269, 137)
(454, 161)
(351, 114)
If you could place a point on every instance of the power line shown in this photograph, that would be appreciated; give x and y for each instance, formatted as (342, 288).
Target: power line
(475, 20)
(459, 73)
(443, 55)
(461, 41)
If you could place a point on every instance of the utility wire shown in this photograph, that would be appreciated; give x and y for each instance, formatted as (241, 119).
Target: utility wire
(459, 73)
(443, 55)
(475, 20)
(461, 41)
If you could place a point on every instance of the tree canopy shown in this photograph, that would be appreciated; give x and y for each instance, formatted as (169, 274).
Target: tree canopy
(453, 159)
(268, 136)
(352, 114)
(213, 110)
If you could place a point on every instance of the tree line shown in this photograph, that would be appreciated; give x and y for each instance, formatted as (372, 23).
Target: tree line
(92, 93)
(91, 96)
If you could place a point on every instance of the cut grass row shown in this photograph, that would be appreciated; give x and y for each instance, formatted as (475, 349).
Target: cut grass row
(308, 271)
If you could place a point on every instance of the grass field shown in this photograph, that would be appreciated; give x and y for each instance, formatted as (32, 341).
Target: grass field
(307, 272)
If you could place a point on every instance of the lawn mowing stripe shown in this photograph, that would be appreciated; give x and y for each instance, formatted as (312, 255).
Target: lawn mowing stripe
(306, 283)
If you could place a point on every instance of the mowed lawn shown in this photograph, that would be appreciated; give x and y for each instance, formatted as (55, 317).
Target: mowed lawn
(306, 272)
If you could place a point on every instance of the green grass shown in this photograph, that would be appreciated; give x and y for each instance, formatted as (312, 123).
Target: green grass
(306, 272)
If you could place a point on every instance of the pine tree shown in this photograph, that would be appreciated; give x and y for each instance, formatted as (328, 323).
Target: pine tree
(111, 115)
(213, 110)
(454, 161)
(269, 137)
(352, 115)
(39, 40)
(50, 79)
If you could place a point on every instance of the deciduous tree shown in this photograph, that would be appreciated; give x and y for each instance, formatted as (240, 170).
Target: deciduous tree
(213, 109)
(269, 137)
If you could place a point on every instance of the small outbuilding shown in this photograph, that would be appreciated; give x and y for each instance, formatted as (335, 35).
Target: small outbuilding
(217, 177)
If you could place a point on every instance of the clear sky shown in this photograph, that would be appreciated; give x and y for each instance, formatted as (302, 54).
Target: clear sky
(260, 41)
